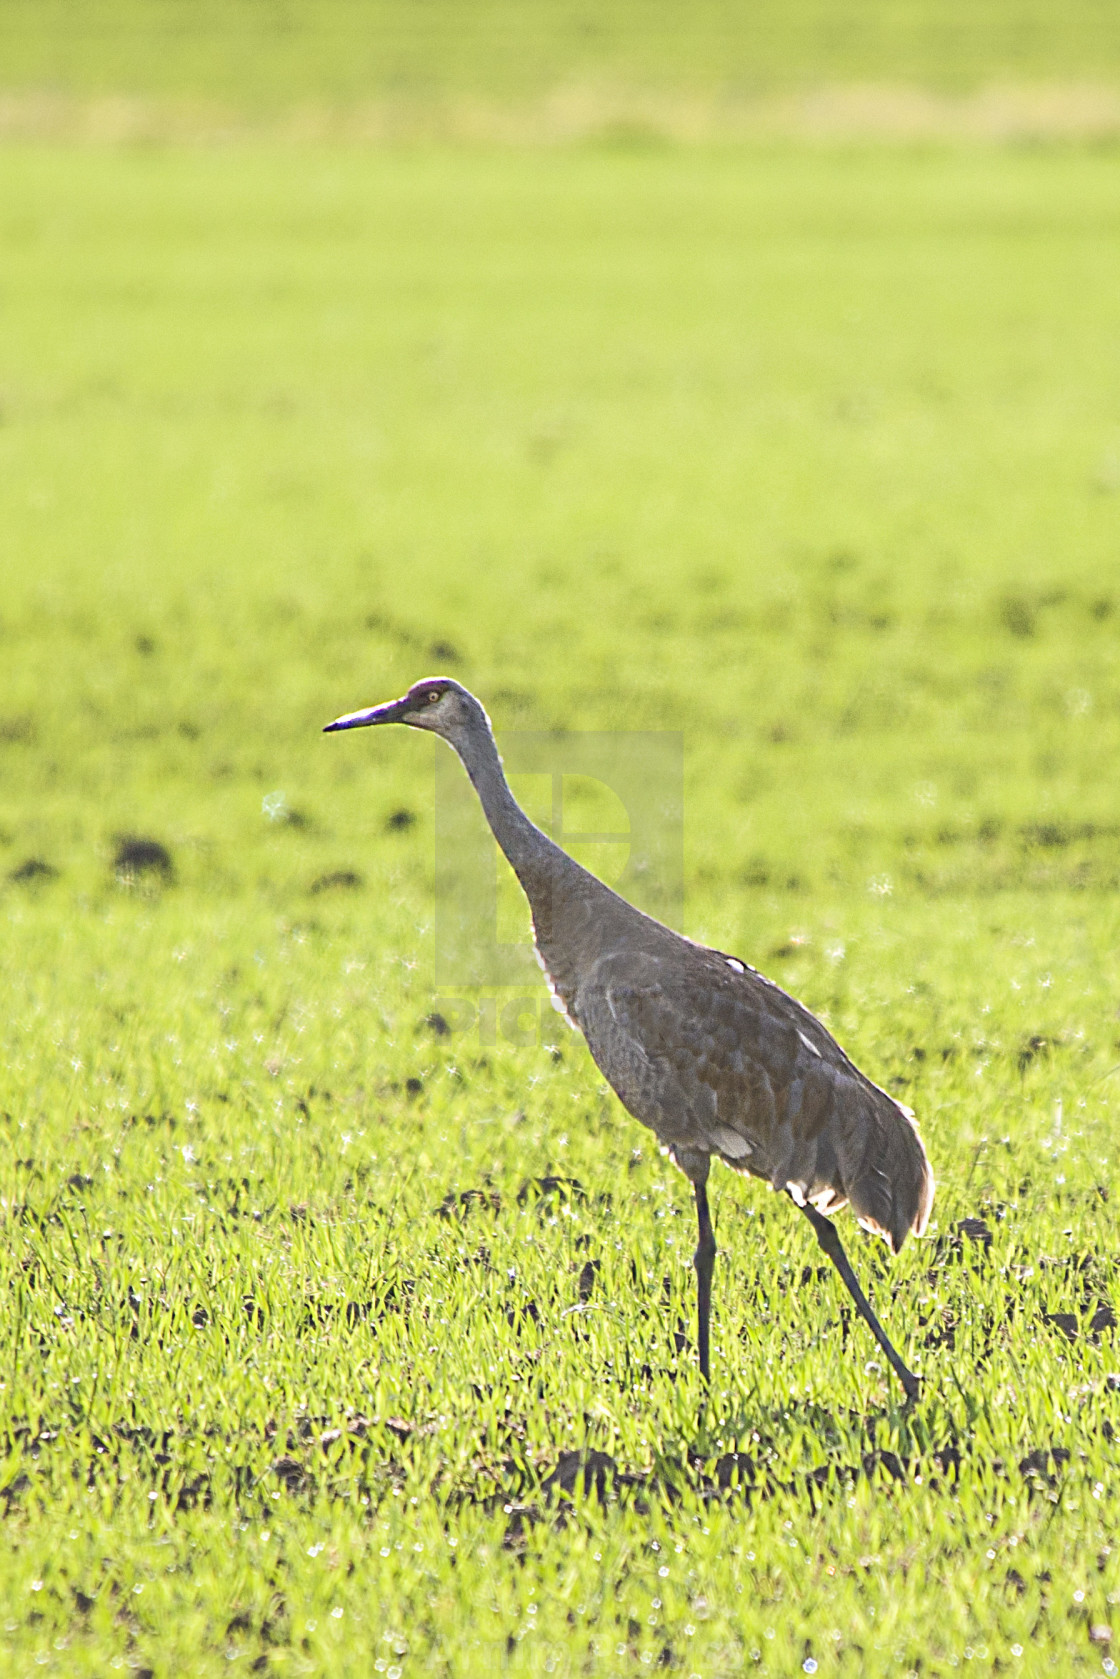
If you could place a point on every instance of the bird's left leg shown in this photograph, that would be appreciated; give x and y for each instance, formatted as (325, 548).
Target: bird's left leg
(704, 1260)
(830, 1242)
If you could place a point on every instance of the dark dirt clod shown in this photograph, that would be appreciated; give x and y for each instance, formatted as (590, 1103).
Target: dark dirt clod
(541, 1189)
(952, 1244)
(516, 1315)
(445, 650)
(1103, 1318)
(734, 1469)
(944, 1333)
(598, 1470)
(339, 880)
(398, 820)
(485, 1200)
(587, 1281)
(33, 869)
(291, 1474)
(976, 1229)
(195, 1493)
(1031, 1049)
(1017, 615)
(1067, 1322)
(1043, 1460)
(887, 1461)
(413, 1086)
(438, 1025)
(136, 856)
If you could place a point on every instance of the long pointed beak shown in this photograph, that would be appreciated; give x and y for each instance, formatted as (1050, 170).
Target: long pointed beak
(394, 712)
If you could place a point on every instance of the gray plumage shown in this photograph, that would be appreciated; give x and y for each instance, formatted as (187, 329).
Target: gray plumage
(700, 1047)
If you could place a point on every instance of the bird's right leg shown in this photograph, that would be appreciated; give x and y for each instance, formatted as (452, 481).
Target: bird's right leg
(830, 1242)
(696, 1164)
(704, 1260)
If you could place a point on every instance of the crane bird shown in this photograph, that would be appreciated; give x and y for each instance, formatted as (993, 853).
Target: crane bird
(698, 1045)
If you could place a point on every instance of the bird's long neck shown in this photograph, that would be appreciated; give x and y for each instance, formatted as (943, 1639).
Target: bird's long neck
(576, 918)
(529, 851)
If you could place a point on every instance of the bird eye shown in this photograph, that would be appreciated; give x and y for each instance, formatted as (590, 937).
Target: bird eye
(433, 695)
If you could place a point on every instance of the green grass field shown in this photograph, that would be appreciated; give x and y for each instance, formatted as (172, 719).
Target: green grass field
(812, 456)
(267, 54)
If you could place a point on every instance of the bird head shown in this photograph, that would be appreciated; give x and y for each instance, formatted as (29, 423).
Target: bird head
(438, 703)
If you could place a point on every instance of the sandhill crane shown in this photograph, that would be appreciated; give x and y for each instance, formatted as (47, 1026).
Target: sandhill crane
(699, 1046)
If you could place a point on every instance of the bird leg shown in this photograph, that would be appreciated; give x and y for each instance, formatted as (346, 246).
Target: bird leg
(704, 1260)
(830, 1242)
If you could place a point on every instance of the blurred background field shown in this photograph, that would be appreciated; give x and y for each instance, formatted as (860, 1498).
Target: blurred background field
(549, 69)
(748, 373)
(269, 51)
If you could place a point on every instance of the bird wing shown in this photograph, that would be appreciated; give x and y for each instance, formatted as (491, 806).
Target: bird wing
(719, 1060)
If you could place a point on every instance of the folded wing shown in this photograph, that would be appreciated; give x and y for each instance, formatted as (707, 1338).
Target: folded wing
(716, 1059)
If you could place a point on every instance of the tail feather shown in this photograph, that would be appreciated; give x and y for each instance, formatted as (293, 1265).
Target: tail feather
(886, 1172)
